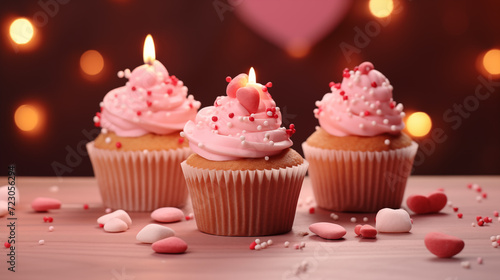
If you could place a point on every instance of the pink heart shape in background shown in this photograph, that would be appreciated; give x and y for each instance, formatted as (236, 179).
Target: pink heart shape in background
(293, 25)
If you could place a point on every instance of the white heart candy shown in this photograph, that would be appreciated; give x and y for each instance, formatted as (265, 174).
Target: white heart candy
(393, 220)
(115, 225)
(120, 214)
(154, 232)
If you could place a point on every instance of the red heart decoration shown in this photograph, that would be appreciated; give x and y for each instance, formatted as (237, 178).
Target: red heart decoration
(443, 245)
(438, 201)
(238, 82)
(433, 203)
(249, 98)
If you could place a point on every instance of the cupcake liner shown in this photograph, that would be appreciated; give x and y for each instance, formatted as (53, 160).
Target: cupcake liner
(139, 181)
(354, 181)
(244, 203)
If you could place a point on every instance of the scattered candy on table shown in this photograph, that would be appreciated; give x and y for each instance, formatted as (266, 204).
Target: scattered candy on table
(167, 215)
(154, 232)
(393, 220)
(170, 245)
(44, 204)
(443, 245)
(433, 203)
(328, 230)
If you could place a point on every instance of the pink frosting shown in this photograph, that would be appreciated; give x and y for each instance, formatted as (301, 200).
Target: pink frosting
(244, 124)
(150, 102)
(361, 105)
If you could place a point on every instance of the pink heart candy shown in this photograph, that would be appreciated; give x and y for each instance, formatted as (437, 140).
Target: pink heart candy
(43, 204)
(368, 231)
(249, 98)
(170, 245)
(357, 229)
(328, 230)
(365, 67)
(115, 225)
(443, 245)
(167, 215)
(238, 82)
(433, 203)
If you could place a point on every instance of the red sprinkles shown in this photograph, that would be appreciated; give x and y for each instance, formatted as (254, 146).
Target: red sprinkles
(118, 145)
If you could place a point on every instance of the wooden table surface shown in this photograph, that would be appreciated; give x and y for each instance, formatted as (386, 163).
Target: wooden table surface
(79, 249)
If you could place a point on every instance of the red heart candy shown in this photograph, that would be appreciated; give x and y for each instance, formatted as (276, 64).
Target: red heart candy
(438, 201)
(418, 204)
(433, 203)
(249, 98)
(238, 82)
(443, 245)
(357, 229)
(368, 231)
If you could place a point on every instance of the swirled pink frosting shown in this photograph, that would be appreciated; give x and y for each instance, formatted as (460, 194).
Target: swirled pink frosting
(244, 124)
(361, 105)
(150, 102)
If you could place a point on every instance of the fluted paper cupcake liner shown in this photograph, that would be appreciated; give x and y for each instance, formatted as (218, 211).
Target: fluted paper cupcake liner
(352, 181)
(140, 181)
(244, 203)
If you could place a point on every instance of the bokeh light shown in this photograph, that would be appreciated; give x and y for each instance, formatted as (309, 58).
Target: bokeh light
(418, 124)
(381, 8)
(91, 62)
(21, 31)
(27, 117)
(491, 61)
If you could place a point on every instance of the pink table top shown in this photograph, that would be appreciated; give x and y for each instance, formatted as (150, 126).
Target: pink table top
(79, 249)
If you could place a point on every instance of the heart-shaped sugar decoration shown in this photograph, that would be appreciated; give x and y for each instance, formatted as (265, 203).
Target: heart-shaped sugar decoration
(167, 215)
(154, 232)
(249, 98)
(120, 214)
(368, 231)
(393, 220)
(328, 230)
(238, 82)
(43, 204)
(365, 67)
(115, 225)
(170, 245)
(443, 245)
(433, 203)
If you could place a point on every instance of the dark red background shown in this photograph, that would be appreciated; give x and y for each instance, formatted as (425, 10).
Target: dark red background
(429, 51)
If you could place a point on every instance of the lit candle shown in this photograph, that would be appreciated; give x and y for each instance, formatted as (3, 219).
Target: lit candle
(149, 54)
(152, 71)
(251, 76)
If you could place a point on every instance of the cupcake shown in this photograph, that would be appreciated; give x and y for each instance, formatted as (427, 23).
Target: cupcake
(243, 177)
(136, 157)
(359, 157)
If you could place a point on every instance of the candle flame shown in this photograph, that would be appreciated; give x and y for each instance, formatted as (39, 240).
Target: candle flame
(251, 76)
(149, 54)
